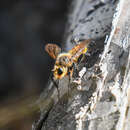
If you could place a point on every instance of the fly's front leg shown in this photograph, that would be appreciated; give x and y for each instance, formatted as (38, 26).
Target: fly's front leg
(56, 85)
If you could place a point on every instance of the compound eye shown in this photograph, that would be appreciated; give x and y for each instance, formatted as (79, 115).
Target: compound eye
(59, 71)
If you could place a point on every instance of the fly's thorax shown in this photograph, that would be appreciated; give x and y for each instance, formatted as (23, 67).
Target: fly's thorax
(64, 59)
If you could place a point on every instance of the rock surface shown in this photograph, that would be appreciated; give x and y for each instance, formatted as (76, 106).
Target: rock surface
(102, 100)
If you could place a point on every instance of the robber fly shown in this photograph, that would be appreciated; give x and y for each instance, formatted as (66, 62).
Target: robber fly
(64, 61)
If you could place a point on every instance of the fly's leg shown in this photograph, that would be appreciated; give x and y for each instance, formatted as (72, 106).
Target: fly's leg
(70, 74)
(68, 83)
(56, 85)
